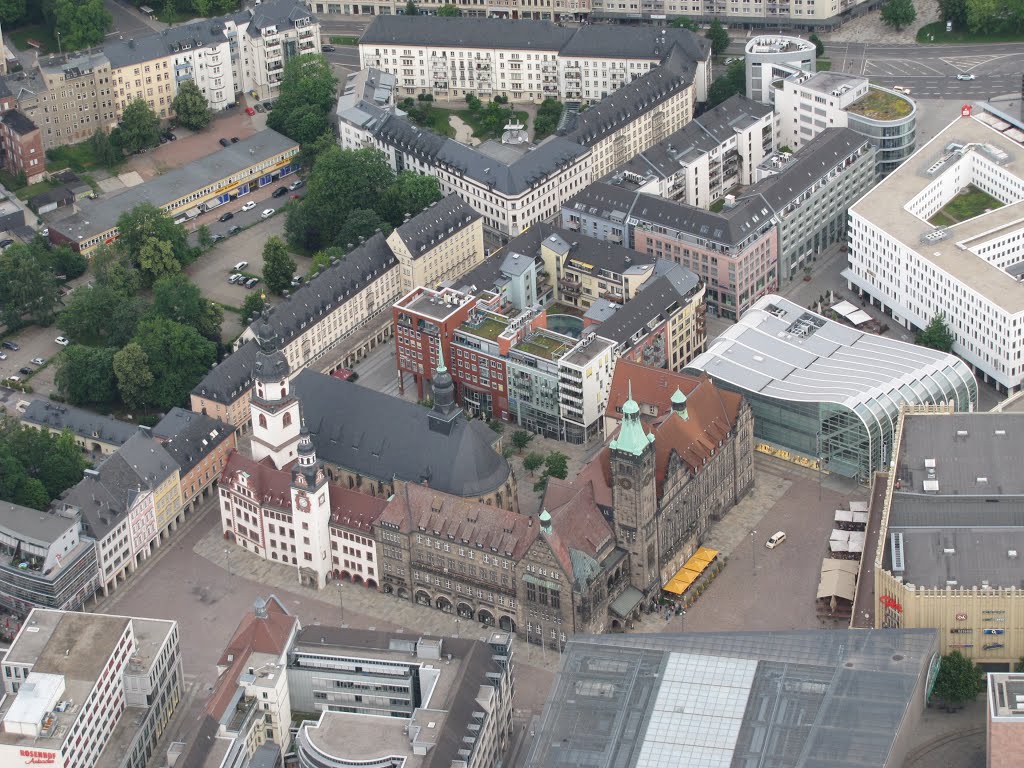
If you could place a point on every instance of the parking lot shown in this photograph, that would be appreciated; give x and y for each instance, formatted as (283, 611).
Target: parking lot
(32, 342)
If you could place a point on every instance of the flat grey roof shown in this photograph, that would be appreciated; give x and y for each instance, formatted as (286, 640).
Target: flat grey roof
(781, 699)
(781, 350)
(31, 525)
(98, 216)
(884, 207)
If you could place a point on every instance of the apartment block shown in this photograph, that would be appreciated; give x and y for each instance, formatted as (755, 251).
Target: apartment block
(86, 689)
(557, 10)
(769, 59)
(200, 446)
(21, 146)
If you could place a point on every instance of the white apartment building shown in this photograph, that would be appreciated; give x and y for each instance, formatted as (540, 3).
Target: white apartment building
(807, 104)
(916, 261)
(84, 690)
(584, 381)
(279, 31)
(812, 14)
(771, 58)
(523, 60)
(553, 10)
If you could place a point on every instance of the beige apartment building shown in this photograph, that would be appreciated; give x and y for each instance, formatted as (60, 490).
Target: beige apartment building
(949, 553)
(152, 81)
(70, 98)
(446, 239)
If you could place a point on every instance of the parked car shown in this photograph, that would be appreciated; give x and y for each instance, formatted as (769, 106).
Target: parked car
(268, 105)
(251, 282)
(345, 374)
(234, 139)
(62, 341)
(267, 213)
(249, 206)
(234, 230)
(163, 139)
(297, 281)
(3, 355)
(250, 111)
(216, 238)
(25, 371)
(240, 266)
(6, 243)
(224, 142)
(11, 346)
(775, 540)
(38, 361)
(327, 48)
(965, 76)
(170, 136)
(733, 59)
(280, 192)
(259, 108)
(296, 184)
(234, 278)
(226, 216)
(15, 379)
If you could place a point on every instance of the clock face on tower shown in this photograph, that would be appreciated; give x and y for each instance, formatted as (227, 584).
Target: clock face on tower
(625, 483)
(303, 501)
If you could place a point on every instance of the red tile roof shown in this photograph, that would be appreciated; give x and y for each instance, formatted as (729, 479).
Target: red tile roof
(651, 386)
(575, 516)
(418, 507)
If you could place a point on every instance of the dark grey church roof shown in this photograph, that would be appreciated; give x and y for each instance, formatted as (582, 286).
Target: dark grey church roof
(634, 98)
(384, 437)
(466, 32)
(436, 224)
(79, 421)
(190, 437)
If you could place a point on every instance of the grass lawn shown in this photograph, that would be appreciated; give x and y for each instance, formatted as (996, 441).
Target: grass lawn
(472, 119)
(542, 346)
(824, 65)
(718, 205)
(881, 105)
(344, 40)
(968, 203)
(37, 32)
(34, 189)
(78, 157)
(488, 329)
(437, 121)
(936, 33)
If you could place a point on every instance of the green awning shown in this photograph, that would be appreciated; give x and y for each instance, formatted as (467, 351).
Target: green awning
(624, 604)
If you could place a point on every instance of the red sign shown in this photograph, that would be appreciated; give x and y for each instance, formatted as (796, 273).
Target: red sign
(889, 602)
(38, 757)
(961, 617)
(965, 110)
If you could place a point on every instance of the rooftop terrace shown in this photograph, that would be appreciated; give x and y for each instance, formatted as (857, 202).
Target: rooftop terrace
(543, 345)
(881, 105)
(485, 326)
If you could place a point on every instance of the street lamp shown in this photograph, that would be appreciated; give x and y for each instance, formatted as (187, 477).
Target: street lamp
(753, 552)
(227, 554)
(341, 601)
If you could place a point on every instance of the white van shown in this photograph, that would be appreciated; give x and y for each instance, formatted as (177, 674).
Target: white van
(901, 89)
(775, 540)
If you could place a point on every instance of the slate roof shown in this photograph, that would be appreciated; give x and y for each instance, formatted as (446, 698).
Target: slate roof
(630, 41)
(18, 122)
(579, 532)
(652, 301)
(600, 254)
(91, 426)
(467, 32)
(436, 224)
(190, 437)
(231, 377)
(5, 89)
(419, 508)
(384, 437)
(277, 13)
(635, 97)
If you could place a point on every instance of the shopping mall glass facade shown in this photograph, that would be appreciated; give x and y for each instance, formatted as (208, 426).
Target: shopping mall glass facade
(854, 441)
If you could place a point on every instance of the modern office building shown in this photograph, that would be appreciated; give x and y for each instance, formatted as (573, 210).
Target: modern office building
(952, 532)
(47, 562)
(384, 699)
(230, 173)
(825, 394)
(85, 689)
(806, 104)
(769, 59)
(918, 252)
(836, 698)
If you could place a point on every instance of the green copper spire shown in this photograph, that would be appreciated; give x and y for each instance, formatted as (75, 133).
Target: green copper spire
(679, 404)
(441, 368)
(545, 521)
(632, 438)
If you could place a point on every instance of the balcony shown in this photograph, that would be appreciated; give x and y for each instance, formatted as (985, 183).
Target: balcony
(571, 287)
(618, 298)
(242, 717)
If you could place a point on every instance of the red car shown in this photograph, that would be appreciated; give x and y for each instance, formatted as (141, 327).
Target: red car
(345, 374)
(250, 111)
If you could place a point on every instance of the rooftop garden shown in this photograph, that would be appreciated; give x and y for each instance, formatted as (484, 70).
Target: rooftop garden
(486, 327)
(881, 105)
(967, 204)
(544, 346)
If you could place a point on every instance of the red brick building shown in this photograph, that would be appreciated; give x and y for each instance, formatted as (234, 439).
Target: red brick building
(21, 146)
(425, 319)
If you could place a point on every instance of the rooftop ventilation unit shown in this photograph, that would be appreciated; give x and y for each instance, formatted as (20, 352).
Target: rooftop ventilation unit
(896, 540)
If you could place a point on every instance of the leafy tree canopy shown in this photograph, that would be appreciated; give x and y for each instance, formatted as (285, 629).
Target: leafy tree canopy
(937, 335)
(28, 289)
(178, 357)
(36, 466)
(548, 114)
(139, 128)
(408, 195)
(959, 680)
(191, 107)
(80, 23)
(85, 375)
(733, 82)
(306, 99)
(449, 10)
(719, 38)
(899, 13)
(278, 265)
(98, 315)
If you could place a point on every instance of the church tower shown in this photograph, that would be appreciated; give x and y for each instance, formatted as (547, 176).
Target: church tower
(274, 410)
(445, 411)
(311, 514)
(635, 496)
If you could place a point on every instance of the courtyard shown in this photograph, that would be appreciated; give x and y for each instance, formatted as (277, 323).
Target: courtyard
(968, 203)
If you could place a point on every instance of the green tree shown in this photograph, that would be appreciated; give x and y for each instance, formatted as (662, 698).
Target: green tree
(733, 82)
(1019, 666)
(54, 461)
(719, 38)
(178, 358)
(311, 151)
(80, 23)
(819, 47)
(134, 378)
(937, 335)
(409, 194)
(204, 236)
(557, 465)
(533, 461)
(361, 223)
(278, 265)
(959, 680)
(97, 315)
(191, 107)
(984, 15)
(305, 99)
(322, 259)
(449, 10)
(103, 149)
(899, 13)
(411, 9)
(85, 375)
(548, 114)
(341, 181)
(115, 270)
(179, 299)
(11, 11)
(137, 231)
(520, 439)
(156, 259)
(682, 22)
(64, 261)
(28, 290)
(140, 127)
(955, 11)
(253, 305)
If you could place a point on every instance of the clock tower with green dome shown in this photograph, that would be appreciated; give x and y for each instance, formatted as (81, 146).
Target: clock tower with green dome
(635, 496)
(311, 510)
